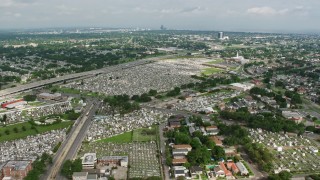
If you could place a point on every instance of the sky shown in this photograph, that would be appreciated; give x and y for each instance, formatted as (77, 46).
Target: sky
(227, 15)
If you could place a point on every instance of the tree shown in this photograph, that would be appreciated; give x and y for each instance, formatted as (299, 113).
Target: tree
(4, 118)
(199, 156)
(66, 169)
(195, 143)
(152, 92)
(29, 97)
(15, 129)
(69, 167)
(181, 138)
(218, 153)
(7, 131)
(283, 175)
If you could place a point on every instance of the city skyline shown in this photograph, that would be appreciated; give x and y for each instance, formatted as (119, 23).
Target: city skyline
(228, 15)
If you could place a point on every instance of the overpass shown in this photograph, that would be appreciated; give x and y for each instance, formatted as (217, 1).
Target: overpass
(33, 85)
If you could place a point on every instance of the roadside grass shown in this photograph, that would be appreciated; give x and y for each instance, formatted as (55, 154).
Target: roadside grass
(248, 168)
(17, 131)
(67, 90)
(121, 138)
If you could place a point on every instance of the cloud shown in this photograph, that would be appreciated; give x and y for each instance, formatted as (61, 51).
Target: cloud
(64, 10)
(267, 11)
(15, 3)
(192, 9)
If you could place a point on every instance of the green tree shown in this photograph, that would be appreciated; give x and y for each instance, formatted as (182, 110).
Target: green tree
(283, 175)
(218, 153)
(195, 143)
(181, 138)
(199, 156)
(15, 129)
(152, 92)
(29, 97)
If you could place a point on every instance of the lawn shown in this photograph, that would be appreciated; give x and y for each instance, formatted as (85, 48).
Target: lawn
(121, 138)
(67, 90)
(35, 103)
(145, 134)
(22, 130)
(212, 70)
(216, 61)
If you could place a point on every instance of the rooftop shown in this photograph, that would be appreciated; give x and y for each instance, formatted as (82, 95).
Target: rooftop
(18, 165)
(181, 146)
(89, 158)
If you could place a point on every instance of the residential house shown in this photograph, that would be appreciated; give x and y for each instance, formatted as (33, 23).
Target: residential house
(195, 170)
(212, 130)
(294, 116)
(226, 171)
(182, 146)
(243, 170)
(179, 162)
(216, 140)
(232, 166)
(179, 151)
(230, 151)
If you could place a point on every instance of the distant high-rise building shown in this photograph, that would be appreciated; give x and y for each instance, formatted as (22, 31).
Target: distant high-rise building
(220, 35)
(163, 28)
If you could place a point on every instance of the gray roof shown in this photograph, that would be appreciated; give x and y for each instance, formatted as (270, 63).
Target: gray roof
(92, 177)
(106, 158)
(242, 168)
(18, 165)
(179, 172)
(80, 174)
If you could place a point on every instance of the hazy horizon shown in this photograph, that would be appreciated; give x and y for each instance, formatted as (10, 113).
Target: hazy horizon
(220, 15)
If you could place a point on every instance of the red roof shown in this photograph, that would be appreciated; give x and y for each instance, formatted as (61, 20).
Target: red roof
(179, 161)
(4, 105)
(226, 171)
(216, 140)
(182, 146)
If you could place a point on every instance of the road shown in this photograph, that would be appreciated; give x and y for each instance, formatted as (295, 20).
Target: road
(254, 168)
(163, 150)
(41, 83)
(73, 141)
(175, 112)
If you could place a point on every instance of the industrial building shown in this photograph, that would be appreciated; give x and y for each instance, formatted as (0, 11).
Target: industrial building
(89, 160)
(119, 160)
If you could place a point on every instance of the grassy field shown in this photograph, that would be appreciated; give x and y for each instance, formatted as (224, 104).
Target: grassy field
(209, 71)
(145, 134)
(122, 138)
(216, 61)
(67, 90)
(23, 130)
(36, 103)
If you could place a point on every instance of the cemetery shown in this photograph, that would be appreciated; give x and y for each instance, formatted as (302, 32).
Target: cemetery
(293, 153)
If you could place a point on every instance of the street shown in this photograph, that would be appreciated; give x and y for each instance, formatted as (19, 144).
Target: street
(70, 146)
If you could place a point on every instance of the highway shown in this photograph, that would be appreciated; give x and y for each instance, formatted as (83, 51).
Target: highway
(42, 83)
(73, 141)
